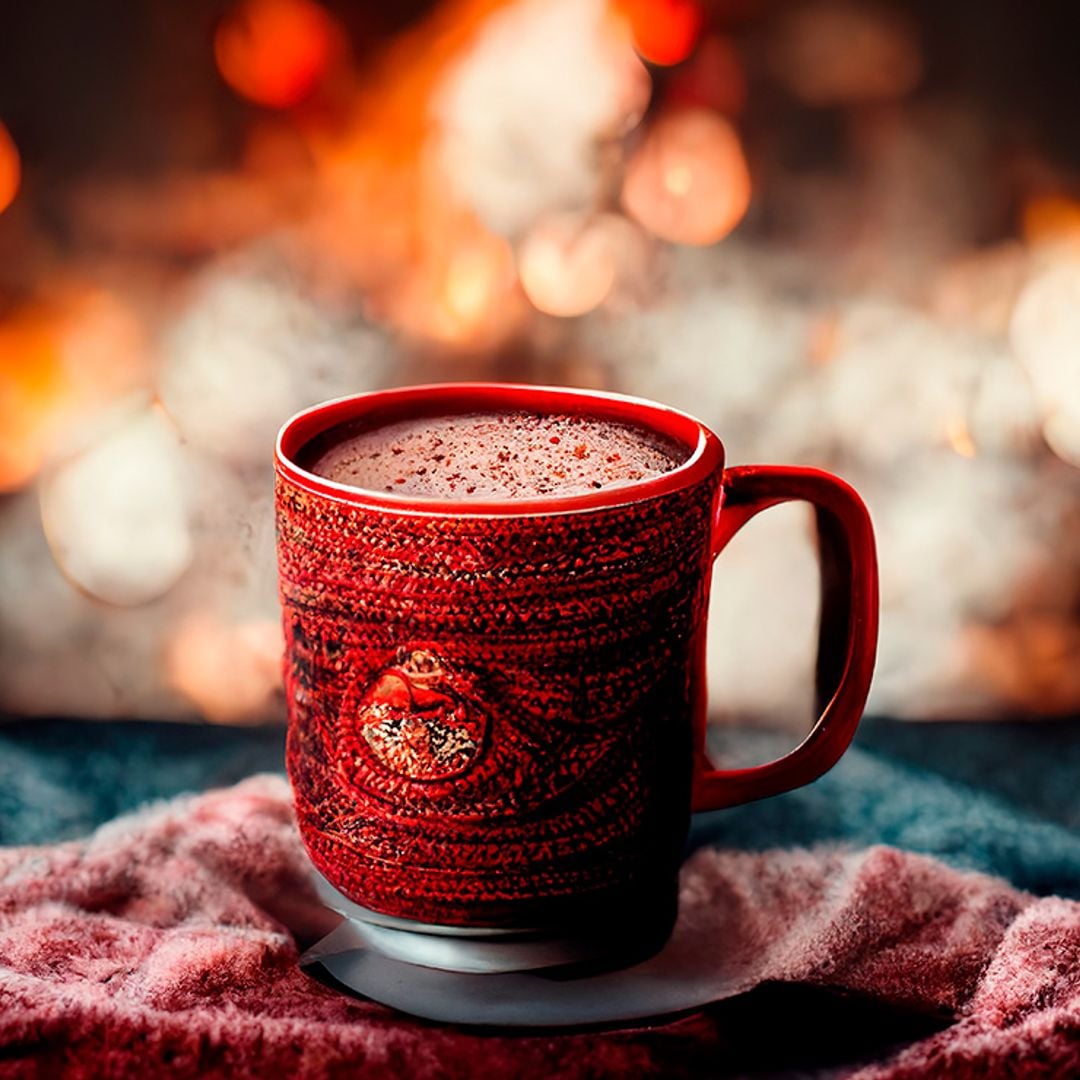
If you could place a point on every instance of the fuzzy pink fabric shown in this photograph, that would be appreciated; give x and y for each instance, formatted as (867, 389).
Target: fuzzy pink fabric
(166, 944)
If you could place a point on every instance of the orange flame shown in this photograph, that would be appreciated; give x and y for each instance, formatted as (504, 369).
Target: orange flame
(385, 214)
(276, 52)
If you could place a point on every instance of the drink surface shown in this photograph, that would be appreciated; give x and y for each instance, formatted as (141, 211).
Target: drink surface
(494, 455)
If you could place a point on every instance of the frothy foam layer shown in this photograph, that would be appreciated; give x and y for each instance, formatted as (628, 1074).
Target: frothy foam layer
(508, 455)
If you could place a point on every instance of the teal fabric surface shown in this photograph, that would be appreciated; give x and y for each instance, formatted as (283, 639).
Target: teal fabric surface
(1002, 798)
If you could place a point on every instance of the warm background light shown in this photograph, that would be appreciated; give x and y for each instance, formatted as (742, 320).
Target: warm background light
(115, 511)
(10, 169)
(664, 31)
(959, 437)
(230, 671)
(275, 52)
(34, 393)
(712, 78)
(688, 181)
(1045, 335)
(472, 283)
(1051, 218)
(566, 265)
(526, 119)
(61, 359)
(553, 191)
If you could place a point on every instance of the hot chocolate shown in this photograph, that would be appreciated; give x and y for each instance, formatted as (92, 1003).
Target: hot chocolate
(494, 455)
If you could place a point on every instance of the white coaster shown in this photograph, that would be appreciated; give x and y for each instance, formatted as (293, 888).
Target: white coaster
(680, 978)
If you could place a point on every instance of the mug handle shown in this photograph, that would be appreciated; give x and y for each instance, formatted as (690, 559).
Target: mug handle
(847, 637)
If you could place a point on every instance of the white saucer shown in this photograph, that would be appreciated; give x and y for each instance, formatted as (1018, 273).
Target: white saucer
(682, 977)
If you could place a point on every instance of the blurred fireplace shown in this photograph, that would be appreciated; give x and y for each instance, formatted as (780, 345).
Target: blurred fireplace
(843, 234)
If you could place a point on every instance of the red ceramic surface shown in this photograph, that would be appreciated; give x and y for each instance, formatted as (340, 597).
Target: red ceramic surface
(497, 710)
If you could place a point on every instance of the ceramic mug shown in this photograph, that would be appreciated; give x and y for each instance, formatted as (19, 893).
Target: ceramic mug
(497, 708)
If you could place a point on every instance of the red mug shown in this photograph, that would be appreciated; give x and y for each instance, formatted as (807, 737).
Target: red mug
(497, 709)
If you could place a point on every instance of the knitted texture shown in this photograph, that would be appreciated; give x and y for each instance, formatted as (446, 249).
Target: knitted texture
(167, 944)
(491, 717)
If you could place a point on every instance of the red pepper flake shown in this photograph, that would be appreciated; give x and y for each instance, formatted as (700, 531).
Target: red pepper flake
(581, 451)
(555, 439)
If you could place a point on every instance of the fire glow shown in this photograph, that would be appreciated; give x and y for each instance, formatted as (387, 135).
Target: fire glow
(688, 181)
(276, 52)
(10, 169)
(567, 266)
(34, 398)
(664, 31)
(729, 208)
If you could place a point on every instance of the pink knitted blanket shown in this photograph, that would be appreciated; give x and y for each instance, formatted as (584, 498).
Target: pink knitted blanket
(167, 943)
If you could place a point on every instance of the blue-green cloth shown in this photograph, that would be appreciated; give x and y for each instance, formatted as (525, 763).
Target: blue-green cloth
(1003, 798)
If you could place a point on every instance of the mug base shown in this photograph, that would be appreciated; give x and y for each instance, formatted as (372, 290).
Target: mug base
(493, 950)
(689, 972)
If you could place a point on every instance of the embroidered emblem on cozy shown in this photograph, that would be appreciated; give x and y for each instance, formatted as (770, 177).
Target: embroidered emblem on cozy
(415, 723)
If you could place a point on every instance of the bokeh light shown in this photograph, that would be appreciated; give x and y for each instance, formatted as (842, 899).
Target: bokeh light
(566, 265)
(62, 357)
(1045, 336)
(472, 283)
(688, 181)
(10, 169)
(1051, 219)
(664, 31)
(102, 343)
(634, 253)
(34, 393)
(115, 513)
(276, 52)
(231, 672)
(522, 114)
